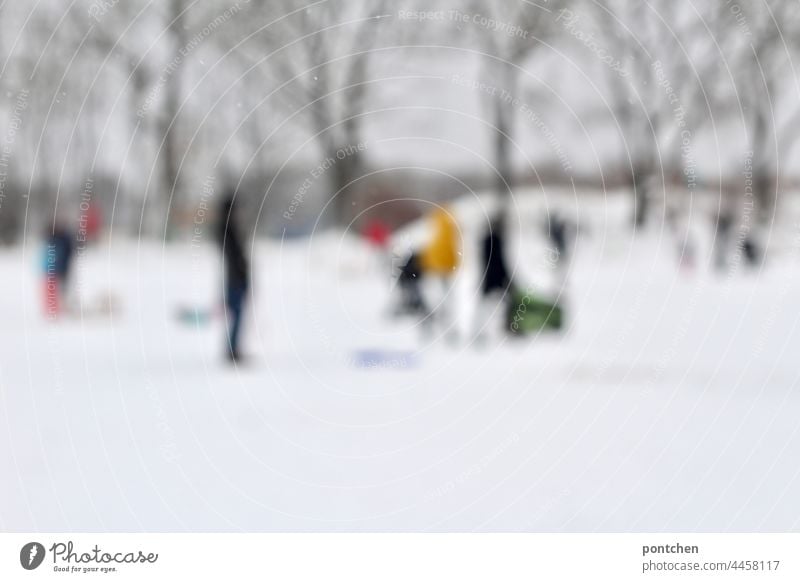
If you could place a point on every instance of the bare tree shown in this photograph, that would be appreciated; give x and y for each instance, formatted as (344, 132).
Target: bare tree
(768, 33)
(668, 57)
(508, 34)
(318, 54)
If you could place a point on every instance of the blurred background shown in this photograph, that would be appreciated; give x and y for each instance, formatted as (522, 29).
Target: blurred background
(371, 265)
(147, 102)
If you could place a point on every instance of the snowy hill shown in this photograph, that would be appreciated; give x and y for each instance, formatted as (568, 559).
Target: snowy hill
(669, 403)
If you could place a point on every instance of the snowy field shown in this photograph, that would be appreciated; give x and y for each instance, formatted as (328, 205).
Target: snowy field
(671, 402)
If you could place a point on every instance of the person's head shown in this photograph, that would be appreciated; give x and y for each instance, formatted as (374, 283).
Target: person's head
(58, 226)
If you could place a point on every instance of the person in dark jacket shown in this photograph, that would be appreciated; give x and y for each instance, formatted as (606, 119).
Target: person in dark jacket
(722, 240)
(561, 233)
(751, 251)
(236, 273)
(409, 281)
(496, 277)
(57, 265)
(496, 281)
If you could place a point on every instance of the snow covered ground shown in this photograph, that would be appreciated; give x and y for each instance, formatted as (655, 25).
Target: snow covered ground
(670, 403)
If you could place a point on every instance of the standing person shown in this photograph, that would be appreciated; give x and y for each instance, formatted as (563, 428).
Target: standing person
(441, 259)
(409, 281)
(57, 263)
(93, 223)
(236, 273)
(496, 281)
(561, 232)
(751, 250)
(722, 239)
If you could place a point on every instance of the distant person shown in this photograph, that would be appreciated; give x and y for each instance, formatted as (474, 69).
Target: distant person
(440, 260)
(722, 240)
(378, 234)
(751, 251)
(59, 247)
(409, 282)
(496, 280)
(93, 223)
(561, 233)
(236, 274)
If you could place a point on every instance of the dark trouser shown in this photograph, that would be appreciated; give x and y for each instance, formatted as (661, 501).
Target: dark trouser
(234, 304)
(413, 301)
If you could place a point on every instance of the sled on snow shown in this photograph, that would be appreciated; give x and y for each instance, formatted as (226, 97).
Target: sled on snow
(528, 313)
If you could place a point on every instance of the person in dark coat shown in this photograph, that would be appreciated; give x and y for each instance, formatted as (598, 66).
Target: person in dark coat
(496, 277)
(409, 281)
(751, 251)
(722, 240)
(236, 273)
(57, 265)
(496, 281)
(561, 232)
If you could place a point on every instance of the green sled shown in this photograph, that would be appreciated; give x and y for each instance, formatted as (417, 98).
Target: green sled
(529, 314)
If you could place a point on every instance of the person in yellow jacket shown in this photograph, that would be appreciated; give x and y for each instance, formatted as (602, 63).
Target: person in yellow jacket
(441, 259)
(442, 255)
